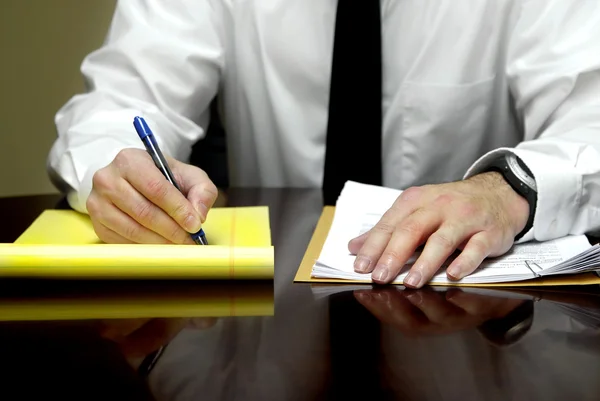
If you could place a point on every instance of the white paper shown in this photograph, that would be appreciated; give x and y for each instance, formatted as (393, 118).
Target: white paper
(360, 207)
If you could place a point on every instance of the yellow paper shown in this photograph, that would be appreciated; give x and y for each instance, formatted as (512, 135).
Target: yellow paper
(63, 244)
(235, 226)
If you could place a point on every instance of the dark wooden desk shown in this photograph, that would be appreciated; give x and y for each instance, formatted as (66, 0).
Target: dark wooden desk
(423, 345)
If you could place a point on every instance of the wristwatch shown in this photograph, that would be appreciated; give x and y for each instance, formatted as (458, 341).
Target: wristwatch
(511, 328)
(521, 179)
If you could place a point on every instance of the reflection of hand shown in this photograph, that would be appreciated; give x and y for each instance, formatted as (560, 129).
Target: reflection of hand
(427, 312)
(138, 338)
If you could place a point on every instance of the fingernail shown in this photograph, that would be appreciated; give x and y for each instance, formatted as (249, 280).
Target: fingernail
(381, 273)
(454, 273)
(191, 224)
(413, 279)
(364, 297)
(361, 264)
(451, 294)
(415, 298)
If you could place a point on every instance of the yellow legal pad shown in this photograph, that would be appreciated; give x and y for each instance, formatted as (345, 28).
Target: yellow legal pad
(63, 244)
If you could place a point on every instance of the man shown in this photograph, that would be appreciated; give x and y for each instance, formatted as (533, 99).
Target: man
(460, 91)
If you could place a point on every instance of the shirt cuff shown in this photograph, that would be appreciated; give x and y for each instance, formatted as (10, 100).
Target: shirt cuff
(77, 199)
(559, 191)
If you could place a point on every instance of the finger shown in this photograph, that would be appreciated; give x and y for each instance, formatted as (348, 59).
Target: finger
(117, 329)
(200, 190)
(356, 243)
(148, 215)
(143, 175)
(151, 336)
(391, 308)
(434, 305)
(124, 226)
(403, 206)
(476, 250)
(398, 249)
(438, 248)
(482, 305)
(379, 236)
(202, 323)
(473, 304)
(107, 235)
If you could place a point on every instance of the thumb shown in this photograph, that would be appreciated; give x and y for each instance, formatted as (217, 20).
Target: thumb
(196, 186)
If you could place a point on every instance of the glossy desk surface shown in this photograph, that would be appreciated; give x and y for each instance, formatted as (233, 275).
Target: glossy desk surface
(320, 343)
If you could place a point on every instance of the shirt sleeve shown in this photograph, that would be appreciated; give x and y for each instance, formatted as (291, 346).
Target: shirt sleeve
(161, 60)
(553, 67)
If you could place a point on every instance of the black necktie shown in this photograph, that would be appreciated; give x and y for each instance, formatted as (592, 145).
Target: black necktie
(353, 149)
(355, 356)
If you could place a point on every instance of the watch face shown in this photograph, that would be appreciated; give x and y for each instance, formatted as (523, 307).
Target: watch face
(519, 170)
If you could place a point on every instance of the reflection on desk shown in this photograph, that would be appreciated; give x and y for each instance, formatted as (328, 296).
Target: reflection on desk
(430, 344)
(68, 300)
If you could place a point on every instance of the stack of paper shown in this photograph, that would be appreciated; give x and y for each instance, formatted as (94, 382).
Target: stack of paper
(63, 244)
(360, 206)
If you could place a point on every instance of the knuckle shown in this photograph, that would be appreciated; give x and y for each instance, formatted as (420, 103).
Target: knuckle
(443, 240)
(181, 211)
(468, 261)
(391, 255)
(384, 227)
(92, 206)
(102, 179)
(478, 245)
(411, 227)
(443, 199)
(156, 189)
(99, 230)
(178, 235)
(122, 159)
(211, 189)
(467, 209)
(412, 193)
(133, 232)
(144, 212)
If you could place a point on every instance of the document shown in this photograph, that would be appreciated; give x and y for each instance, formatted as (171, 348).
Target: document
(360, 207)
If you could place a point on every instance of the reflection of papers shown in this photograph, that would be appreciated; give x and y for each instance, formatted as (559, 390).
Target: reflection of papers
(360, 206)
(321, 291)
(588, 316)
(324, 290)
(85, 300)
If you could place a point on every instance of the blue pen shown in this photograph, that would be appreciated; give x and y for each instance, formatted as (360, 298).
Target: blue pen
(147, 137)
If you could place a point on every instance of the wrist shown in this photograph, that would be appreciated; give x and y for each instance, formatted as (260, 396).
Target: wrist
(519, 178)
(515, 206)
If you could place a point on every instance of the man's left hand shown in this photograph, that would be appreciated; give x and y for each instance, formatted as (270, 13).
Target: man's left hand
(480, 216)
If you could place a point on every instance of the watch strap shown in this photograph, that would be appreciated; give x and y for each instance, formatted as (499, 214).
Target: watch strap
(520, 182)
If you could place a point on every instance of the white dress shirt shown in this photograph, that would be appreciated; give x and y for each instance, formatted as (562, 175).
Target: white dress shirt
(462, 81)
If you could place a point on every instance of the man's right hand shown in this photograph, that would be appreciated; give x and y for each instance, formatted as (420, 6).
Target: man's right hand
(132, 202)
